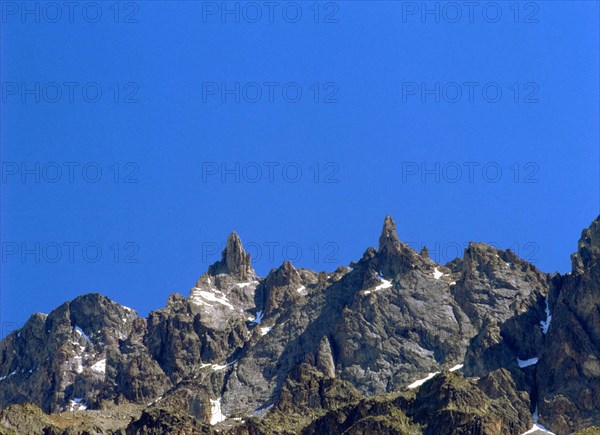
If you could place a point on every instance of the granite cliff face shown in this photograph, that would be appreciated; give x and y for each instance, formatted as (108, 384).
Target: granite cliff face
(493, 341)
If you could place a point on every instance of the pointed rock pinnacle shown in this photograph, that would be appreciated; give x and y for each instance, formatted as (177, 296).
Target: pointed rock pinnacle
(234, 260)
(388, 233)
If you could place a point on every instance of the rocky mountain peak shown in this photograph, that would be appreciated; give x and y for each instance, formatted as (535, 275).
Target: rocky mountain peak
(588, 247)
(284, 275)
(497, 283)
(234, 260)
(301, 351)
(282, 288)
(394, 256)
(389, 236)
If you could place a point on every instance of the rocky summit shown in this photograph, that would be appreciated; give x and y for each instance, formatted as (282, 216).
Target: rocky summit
(394, 343)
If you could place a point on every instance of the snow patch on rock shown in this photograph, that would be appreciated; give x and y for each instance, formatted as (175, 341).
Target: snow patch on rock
(384, 284)
(536, 426)
(544, 324)
(100, 366)
(216, 416)
(420, 382)
(456, 367)
(217, 367)
(209, 298)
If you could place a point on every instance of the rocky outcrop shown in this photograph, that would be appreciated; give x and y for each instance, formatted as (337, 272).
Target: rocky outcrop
(497, 284)
(395, 257)
(450, 404)
(282, 289)
(316, 352)
(67, 359)
(447, 404)
(159, 421)
(28, 418)
(234, 260)
(324, 358)
(488, 351)
(402, 321)
(307, 390)
(568, 373)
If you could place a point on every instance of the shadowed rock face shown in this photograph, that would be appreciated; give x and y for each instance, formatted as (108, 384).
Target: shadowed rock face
(448, 404)
(569, 370)
(318, 352)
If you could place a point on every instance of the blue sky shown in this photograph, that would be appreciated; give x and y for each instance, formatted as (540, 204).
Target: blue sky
(135, 138)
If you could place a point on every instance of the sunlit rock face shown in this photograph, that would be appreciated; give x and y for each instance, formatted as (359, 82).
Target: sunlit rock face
(392, 343)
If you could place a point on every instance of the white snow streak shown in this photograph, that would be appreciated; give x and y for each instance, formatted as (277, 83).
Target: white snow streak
(436, 273)
(420, 382)
(216, 416)
(544, 324)
(384, 284)
(217, 367)
(7, 376)
(456, 367)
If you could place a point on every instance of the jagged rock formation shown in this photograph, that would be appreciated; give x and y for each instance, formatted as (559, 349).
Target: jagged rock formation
(301, 351)
(86, 351)
(448, 404)
(569, 368)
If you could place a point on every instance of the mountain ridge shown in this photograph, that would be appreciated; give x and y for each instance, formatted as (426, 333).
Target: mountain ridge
(246, 348)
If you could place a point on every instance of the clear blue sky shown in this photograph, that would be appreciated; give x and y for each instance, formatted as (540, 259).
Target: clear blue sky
(369, 138)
